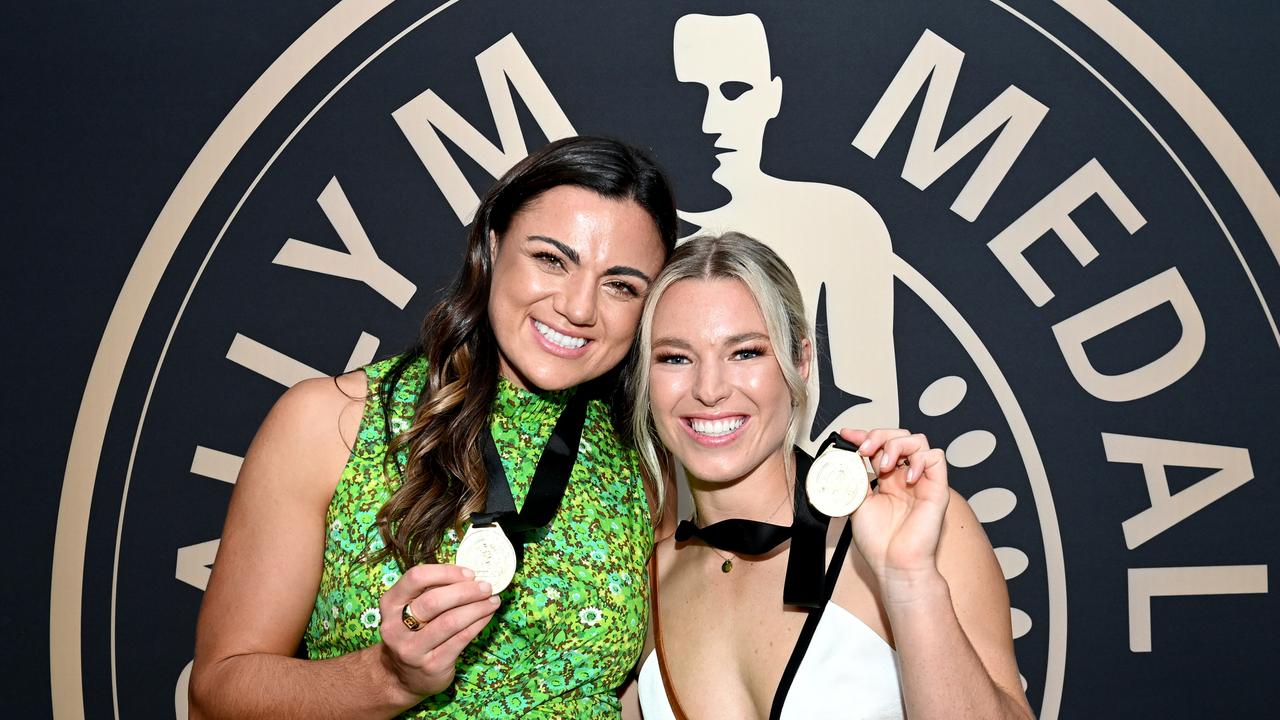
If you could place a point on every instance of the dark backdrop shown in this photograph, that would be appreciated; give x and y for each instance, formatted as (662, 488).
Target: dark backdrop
(107, 104)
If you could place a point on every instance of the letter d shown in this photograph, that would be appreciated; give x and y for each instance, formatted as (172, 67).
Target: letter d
(1167, 287)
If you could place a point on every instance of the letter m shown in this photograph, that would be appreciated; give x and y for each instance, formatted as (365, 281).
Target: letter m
(425, 117)
(1015, 114)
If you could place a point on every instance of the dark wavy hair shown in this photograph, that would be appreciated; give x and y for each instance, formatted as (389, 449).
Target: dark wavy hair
(442, 476)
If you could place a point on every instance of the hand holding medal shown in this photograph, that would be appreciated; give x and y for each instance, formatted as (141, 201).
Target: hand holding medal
(433, 611)
(898, 524)
(428, 616)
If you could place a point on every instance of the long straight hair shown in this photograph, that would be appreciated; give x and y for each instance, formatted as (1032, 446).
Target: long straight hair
(442, 476)
(731, 256)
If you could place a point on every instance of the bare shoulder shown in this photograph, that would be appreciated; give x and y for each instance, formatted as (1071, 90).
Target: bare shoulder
(313, 407)
(309, 433)
(664, 552)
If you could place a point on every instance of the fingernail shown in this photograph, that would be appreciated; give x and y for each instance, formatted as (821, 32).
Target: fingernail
(485, 587)
(494, 599)
(884, 463)
(468, 573)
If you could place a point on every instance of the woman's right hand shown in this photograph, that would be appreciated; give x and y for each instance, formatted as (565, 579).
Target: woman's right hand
(452, 607)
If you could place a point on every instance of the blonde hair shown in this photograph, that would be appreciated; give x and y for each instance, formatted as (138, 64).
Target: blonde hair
(731, 256)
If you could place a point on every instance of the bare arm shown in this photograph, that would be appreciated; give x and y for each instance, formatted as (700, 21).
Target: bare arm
(267, 573)
(941, 586)
(952, 630)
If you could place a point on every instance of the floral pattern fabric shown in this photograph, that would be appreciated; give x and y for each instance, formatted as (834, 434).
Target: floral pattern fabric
(572, 623)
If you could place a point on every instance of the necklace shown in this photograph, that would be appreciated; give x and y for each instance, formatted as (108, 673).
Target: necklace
(727, 565)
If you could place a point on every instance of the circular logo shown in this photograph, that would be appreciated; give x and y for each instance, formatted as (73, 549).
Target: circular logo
(1027, 235)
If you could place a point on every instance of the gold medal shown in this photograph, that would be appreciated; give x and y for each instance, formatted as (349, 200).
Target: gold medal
(838, 482)
(489, 554)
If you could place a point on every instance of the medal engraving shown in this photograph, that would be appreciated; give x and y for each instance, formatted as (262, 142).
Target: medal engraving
(838, 482)
(488, 553)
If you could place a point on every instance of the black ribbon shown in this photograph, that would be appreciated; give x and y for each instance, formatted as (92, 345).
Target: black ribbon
(550, 478)
(838, 441)
(804, 584)
(805, 567)
(738, 536)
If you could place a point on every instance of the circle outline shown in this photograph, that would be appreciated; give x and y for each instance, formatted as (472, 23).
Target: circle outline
(105, 374)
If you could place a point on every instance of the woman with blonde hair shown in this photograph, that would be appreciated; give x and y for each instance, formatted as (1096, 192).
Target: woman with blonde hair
(754, 612)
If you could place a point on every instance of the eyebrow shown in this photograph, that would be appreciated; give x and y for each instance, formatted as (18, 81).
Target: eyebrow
(732, 340)
(746, 337)
(574, 258)
(672, 342)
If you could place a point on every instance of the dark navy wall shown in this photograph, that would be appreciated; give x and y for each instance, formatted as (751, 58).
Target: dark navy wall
(107, 105)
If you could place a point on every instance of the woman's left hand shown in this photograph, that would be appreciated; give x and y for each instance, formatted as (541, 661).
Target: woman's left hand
(898, 526)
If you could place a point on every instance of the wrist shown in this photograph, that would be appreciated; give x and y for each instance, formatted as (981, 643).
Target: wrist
(916, 588)
(395, 692)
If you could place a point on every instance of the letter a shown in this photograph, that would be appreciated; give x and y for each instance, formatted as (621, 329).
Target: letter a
(1168, 509)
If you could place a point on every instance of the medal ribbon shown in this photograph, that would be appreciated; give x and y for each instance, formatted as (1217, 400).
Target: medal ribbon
(550, 478)
(808, 535)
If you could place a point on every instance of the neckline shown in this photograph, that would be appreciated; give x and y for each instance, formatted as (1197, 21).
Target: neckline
(863, 627)
(798, 651)
(520, 404)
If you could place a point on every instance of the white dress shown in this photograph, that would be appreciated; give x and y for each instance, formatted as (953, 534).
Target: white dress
(846, 671)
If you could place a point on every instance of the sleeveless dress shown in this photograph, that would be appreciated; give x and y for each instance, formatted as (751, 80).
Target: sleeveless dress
(848, 672)
(572, 623)
(839, 668)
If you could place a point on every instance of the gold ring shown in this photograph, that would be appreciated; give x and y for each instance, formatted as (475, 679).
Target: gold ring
(904, 462)
(410, 620)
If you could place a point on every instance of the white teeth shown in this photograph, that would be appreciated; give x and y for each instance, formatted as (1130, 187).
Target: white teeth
(716, 428)
(565, 341)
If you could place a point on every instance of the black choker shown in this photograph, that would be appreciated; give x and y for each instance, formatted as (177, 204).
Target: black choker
(807, 532)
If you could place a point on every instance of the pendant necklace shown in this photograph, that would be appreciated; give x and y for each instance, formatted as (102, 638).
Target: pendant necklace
(727, 565)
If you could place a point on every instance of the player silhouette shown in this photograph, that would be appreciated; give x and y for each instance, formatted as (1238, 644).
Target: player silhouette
(835, 242)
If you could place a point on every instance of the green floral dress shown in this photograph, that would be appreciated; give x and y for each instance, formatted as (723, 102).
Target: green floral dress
(571, 624)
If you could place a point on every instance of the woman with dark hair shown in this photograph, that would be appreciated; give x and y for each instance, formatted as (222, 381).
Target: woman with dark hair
(910, 617)
(362, 497)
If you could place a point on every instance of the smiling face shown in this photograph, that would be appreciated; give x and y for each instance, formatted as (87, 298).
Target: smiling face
(719, 400)
(569, 278)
